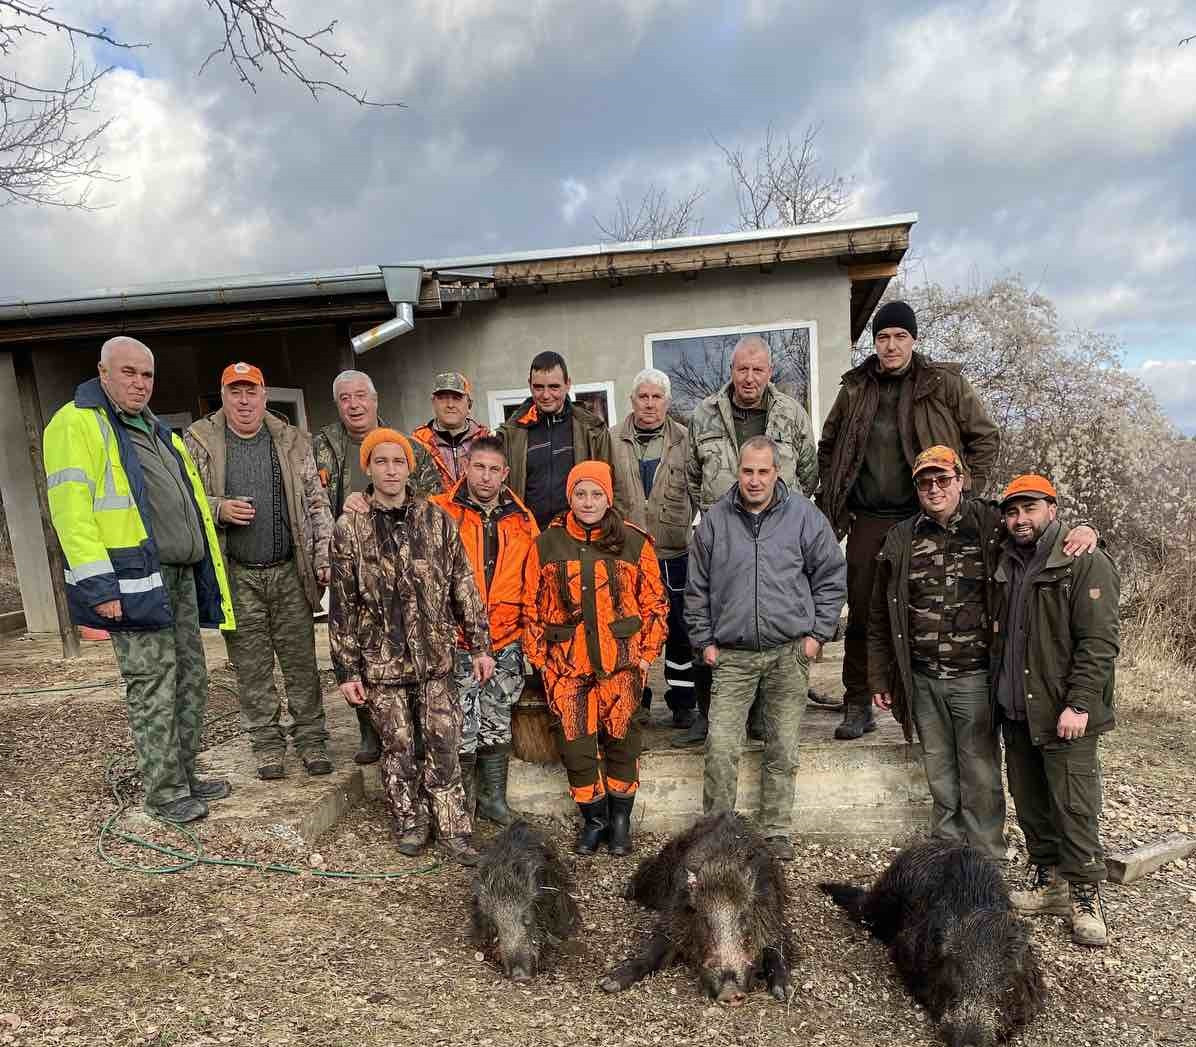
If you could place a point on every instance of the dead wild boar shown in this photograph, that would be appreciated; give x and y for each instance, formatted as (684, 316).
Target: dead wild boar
(523, 904)
(721, 896)
(943, 909)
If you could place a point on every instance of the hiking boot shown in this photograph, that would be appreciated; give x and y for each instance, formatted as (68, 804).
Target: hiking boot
(460, 850)
(414, 840)
(210, 789)
(370, 750)
(619, 838)
(823, 700)
(781, 848)
(683, 718)
(1088, 915)
(316, 762)
(468, 765)
(493, 765)
(185, 809)
(1045, 892)
(696, 735)
(271, 768)
(595, 826)
(857, 722)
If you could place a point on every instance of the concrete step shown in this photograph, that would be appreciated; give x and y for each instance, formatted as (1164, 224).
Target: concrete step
(870, 790)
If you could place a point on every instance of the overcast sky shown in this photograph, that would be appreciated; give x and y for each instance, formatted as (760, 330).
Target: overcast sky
(1056, 140)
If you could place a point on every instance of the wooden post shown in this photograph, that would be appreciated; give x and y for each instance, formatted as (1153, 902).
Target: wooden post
(31, 413)
(1132, 865)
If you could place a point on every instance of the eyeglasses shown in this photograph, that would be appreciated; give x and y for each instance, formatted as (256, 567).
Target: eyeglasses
(926, 483)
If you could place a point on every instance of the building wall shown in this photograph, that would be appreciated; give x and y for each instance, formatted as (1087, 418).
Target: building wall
(600, 331)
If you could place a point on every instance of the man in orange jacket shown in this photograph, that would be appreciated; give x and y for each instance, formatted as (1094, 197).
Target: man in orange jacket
(498, 531)
(451, 431)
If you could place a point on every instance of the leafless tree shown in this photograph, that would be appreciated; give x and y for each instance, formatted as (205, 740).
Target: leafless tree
(783, 184)
(49, 142)
(655, 217)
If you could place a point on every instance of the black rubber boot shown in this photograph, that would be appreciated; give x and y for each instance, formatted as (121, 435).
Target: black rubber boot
(493, 764)
(696, 735)
(468, 762)
(371, 745)
(858, 720)
(619, 840)
(595, 828)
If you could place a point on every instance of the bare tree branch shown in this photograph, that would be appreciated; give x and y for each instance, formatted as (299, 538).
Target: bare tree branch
(1187, 40)
(782, 183)
(49, 142)
(656, 217)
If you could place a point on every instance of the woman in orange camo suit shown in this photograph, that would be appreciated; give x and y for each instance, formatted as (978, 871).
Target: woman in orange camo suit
(596, 617)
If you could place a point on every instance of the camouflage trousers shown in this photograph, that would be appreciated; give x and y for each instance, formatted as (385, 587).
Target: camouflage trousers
(166, 687)
(486, 707)
(414, 789)
(273, 618)
(784, 674)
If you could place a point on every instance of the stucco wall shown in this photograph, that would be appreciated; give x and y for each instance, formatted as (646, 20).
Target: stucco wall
(600, 331)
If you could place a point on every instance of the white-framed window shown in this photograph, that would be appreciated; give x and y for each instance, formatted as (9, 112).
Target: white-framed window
(598, 397)
(698, 362)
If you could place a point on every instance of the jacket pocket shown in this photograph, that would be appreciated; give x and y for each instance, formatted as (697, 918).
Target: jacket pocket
(555, 633)
(625, 628)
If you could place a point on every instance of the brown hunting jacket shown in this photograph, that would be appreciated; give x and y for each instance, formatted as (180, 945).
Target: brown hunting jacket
(399, 592)
(307, 504)
(938, 406)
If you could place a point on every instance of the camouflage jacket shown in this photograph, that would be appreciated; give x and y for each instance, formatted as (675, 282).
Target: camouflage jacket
(332, 448)
(307, 504)
(401, 586)
(714, 451)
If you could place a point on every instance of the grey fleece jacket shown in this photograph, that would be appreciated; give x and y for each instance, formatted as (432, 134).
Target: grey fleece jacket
(760, 582)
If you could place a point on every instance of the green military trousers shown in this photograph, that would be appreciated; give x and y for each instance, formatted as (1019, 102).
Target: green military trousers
(782, 674)
(1057, 792)
(273, 618)
(166, 688)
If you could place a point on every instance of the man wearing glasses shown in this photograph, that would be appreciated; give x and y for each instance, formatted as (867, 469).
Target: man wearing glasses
(929, 636)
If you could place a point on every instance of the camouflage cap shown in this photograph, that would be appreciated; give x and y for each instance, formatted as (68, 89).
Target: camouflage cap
(452, 382)
(938, 457)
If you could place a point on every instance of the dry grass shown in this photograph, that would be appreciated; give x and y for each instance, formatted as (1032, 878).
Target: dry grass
(1158, 637)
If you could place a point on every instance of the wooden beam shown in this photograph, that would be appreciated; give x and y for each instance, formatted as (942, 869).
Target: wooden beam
(888, 242)
(1127, 866)
(872, 271)
(864, 297)
(31, 414)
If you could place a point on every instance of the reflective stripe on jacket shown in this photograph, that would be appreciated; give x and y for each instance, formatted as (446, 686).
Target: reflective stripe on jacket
(517, 533)
(100, 510)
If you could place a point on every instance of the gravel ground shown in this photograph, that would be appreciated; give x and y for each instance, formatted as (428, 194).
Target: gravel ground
(217, 955)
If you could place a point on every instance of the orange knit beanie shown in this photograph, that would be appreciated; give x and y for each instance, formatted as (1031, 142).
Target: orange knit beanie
(385, 436)
(597, 472)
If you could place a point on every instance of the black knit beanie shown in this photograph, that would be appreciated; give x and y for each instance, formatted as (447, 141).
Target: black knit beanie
(895, 314)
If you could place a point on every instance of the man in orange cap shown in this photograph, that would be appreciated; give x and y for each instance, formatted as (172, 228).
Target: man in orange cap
(451, 431)
(274, 525)
(402, 589)
(1053, 652)
(928, 646)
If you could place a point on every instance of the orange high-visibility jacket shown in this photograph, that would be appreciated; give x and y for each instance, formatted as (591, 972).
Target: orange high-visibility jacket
(517, 532)
(589, 612)
(449, 458)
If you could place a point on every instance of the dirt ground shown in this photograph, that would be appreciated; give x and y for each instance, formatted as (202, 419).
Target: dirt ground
(216, 955)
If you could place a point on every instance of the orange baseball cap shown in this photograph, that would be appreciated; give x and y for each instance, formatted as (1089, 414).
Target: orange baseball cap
(242, 372)
(1029, 485)
(938, 457)
(596, 472)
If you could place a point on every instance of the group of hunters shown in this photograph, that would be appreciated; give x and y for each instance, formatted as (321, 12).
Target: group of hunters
(459, 562)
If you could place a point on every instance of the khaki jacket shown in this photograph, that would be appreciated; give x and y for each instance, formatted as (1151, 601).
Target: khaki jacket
(713, 467)
(332, 448)
(941, 408)
(394, 613)
(667, 513)
(307, 504)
